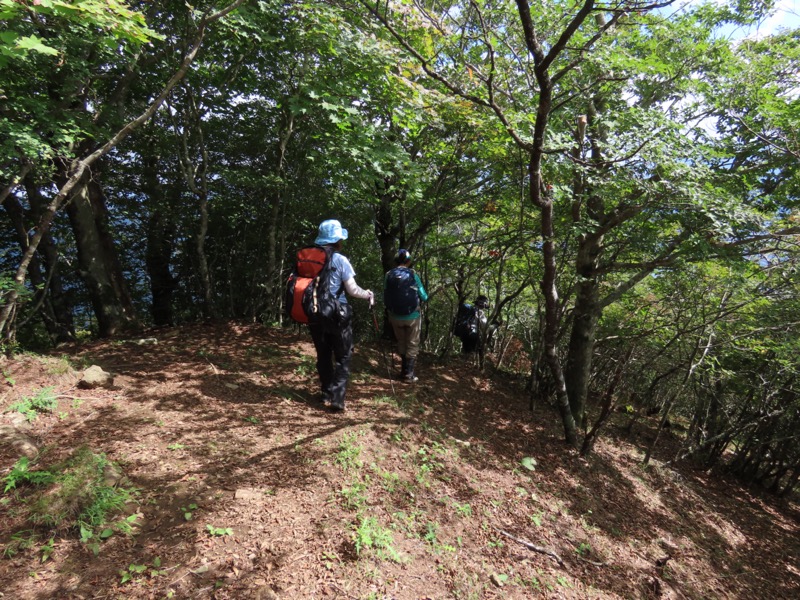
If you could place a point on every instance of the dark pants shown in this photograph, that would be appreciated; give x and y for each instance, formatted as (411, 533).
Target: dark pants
(471, 343)
(334, 351)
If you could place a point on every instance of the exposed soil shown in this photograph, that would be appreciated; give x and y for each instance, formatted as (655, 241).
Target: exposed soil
(414, 492)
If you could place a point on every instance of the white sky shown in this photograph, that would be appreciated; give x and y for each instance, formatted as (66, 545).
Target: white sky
(786, 15)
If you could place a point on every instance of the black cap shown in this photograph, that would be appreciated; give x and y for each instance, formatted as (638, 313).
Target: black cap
(403, 256)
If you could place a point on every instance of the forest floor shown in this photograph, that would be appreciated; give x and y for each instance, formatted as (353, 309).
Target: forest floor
(247, 487)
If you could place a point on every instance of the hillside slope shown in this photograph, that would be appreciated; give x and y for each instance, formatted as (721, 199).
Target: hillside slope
(247, 488)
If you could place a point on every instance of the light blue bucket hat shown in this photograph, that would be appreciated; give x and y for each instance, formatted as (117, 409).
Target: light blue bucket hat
(330, 232)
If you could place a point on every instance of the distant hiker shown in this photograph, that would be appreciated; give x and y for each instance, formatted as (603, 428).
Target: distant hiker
(333, 341)
(403, 292)
(471, 325)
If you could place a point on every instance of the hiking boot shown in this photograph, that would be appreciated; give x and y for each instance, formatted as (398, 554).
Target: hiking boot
(408, 373)
(335, 408)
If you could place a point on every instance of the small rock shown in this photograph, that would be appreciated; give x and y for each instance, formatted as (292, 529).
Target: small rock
(11, 436)
(18, 420)
(147, 342)
(111, 475)
(95, 377)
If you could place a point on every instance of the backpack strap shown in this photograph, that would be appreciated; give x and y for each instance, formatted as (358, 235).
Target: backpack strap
(329, 252)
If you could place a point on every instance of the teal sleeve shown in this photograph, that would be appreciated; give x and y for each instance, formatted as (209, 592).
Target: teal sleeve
(423, 295)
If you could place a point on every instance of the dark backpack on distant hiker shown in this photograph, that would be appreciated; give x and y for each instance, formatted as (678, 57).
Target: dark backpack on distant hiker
(400, 295)
(308, 291)
(466, 322)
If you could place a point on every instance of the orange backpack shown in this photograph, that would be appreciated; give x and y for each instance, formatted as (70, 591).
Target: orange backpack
(308, 284)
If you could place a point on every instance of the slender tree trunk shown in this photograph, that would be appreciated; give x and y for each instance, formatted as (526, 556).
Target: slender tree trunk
(202, 260)
(38, 279)
(542, 199)
(195, 174)
(669, 403)
(386, 233)
(274, 281)
(552, 317)
(606, 404)
(58, 299)
(49, 294)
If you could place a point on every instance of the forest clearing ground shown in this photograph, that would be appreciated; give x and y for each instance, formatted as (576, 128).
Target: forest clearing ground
(248, 488)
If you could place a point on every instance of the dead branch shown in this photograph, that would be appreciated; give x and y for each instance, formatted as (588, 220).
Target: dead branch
(591, 562)
(533, 547)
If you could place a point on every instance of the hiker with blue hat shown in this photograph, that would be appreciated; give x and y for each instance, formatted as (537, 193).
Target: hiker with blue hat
(403, 293)
(334, 344)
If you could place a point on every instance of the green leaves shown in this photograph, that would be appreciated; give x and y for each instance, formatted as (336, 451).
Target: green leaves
(218, 531)
(28, 43)
(12, 44)
(101, 17)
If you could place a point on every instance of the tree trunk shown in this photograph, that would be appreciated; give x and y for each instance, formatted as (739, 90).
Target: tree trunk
(157, 261)
(98, 262)
(160, 244)
(590, 247)
(386, 231)
(540, 198)
(585, 316)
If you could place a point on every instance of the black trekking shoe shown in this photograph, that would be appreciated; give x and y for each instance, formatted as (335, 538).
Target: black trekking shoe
(408, 374)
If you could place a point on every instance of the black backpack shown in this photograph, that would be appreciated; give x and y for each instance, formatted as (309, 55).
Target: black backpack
(466, 322)
(400, 294)
(308, 294)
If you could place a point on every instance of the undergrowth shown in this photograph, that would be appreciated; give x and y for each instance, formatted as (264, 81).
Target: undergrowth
(75, 495)
(30, 407)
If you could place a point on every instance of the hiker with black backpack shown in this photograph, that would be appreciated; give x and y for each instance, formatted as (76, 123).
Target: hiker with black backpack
(316, 295)
(402, 295)
(471, 324)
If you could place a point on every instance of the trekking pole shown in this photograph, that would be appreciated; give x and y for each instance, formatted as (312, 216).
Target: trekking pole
(380, 345)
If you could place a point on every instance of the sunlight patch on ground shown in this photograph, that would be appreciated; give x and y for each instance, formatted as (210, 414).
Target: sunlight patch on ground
(726, 530)
(646, 495)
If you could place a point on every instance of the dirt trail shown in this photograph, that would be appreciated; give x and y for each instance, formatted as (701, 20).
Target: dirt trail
(248, 488)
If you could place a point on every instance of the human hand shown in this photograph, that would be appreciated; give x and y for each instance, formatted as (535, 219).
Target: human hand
(371, 298)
